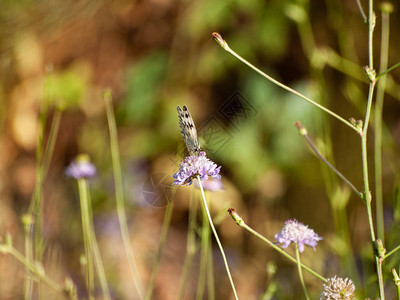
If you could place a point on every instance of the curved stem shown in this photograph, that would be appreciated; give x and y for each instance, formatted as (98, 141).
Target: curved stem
(225, 46)
(361, 11)
(239, 221)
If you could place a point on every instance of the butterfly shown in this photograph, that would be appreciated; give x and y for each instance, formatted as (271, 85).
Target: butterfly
(188, 130)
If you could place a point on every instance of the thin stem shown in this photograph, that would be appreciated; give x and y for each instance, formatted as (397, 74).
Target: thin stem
(51, 142)
(88, 224)
(33, 268)
(35, 206)
(380, 92)
(35, 239)
(362, 11)
(239, 221)
(225, 46)
(367, 193)
(396, 281)
(392, 252)
(217, 238)
(119, 194)
(205, 238)
(89, 273)
(300, 272)
(28, 283)
(371, 26)
(387, 71)
(210, 273)
(163, 238)
(303, 132)
(353, 70)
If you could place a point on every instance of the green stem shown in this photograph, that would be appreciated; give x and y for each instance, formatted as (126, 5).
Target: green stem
(387, 71)
(35, 206)
(380, 92)
(87, 223)
(210, 273)
(89, 269)
(367, 193)
(119, 194)
(33, 268)
(217, 238)
(28, 283)
(239, 221)
(300, 272)
(392, 252)
(205, 238)
(303, 131)
(371, 26)
(396, 280)
(51, 142)
(225, 46)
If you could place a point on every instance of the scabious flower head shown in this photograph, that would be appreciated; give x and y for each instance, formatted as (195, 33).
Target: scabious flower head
(296, 232)
(196, 165)
(337, 288)
(81, 167)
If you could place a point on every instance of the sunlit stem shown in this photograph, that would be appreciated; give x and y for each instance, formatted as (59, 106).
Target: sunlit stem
(217, 238)
(300, 272)
(380, 92)
(119, 195)
(87, 223)
(239, 221)
(225, 46)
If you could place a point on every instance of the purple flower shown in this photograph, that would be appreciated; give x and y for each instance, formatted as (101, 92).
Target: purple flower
(296, 232)
(81, 167)
(196, 165)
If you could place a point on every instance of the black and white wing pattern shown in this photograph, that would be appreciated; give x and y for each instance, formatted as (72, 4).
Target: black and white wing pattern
(188, 130)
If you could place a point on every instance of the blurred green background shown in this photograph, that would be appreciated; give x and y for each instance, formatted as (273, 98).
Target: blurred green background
(155, 55)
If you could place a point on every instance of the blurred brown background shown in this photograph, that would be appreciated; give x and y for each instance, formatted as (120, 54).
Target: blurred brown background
(155, 55)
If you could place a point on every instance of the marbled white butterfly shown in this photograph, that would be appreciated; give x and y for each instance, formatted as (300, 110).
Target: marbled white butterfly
(188, 130)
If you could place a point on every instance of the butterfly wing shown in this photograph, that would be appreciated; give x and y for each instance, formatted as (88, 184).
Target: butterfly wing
(188, 130)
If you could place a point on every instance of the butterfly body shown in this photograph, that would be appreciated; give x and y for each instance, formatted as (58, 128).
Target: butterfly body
(188, 130)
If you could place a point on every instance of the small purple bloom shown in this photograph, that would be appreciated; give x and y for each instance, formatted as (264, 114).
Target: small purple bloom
(196, 165)
(296, 232)
(81, 167)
